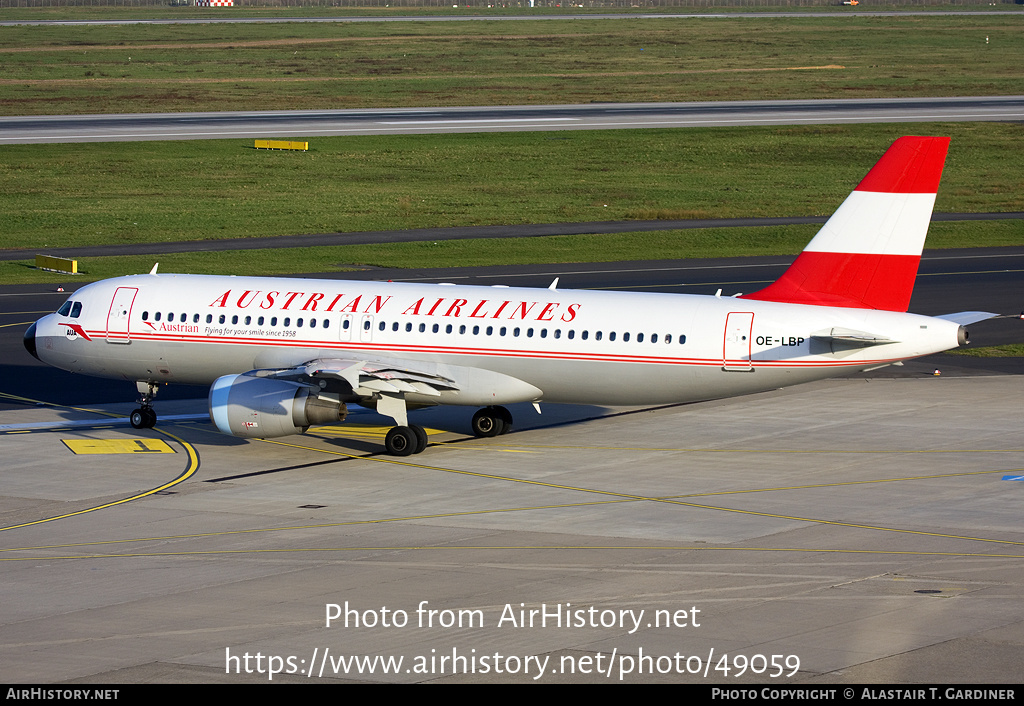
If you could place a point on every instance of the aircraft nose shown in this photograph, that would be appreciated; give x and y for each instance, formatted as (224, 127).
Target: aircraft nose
(30, 341)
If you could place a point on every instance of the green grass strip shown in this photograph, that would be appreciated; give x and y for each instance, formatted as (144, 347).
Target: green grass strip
(88, 194)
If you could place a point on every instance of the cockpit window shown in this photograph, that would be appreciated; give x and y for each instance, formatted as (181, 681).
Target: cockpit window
(71, 309)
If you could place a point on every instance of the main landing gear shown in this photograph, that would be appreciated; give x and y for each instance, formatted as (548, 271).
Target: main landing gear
(412, 439)
(144, 417)
(405, 441)
(492, 421)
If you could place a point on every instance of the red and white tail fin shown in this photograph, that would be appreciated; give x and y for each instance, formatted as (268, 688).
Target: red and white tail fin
(866, 255)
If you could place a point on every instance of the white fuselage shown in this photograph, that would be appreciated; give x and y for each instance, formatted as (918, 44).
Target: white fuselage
(574, 346)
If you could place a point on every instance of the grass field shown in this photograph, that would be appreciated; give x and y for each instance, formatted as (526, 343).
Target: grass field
(116, 9)
(85, 194)
(1013, 350)
(104, 69)
(80, 194)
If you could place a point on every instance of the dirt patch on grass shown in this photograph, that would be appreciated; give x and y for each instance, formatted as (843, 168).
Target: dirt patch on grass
(426, 77)
(269, 42)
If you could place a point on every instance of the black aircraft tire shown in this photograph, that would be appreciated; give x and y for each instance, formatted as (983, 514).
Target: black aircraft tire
(401, 441)
(138, 419)
(487, 423)
(421, 438)
(506, 419)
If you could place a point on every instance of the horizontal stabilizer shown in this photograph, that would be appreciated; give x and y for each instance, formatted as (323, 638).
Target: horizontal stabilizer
(965, 318)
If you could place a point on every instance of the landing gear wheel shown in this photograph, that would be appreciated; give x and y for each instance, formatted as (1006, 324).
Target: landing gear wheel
(401, 441)
(506, 418)
(142, 418)
(489, 422)
(421, 438)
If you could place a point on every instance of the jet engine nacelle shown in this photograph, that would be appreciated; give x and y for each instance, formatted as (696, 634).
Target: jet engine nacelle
(255, 407)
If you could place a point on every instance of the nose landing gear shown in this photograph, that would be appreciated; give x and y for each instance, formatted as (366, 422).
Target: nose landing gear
(144, 417)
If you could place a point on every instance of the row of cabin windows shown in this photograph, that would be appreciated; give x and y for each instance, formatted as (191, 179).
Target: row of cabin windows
(235, 320)
(516, 331)
(422, 328)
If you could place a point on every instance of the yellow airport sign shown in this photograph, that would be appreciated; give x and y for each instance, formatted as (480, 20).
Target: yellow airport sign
(118, 446)
(57, 264)
(281, 145)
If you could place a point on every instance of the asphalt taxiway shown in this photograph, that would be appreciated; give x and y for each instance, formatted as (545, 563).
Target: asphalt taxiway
(856, 530)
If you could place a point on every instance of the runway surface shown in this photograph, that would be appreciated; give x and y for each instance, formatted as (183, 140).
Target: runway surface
(255, 124)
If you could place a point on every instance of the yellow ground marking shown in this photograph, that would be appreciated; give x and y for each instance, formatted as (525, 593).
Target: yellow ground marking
(190, 469)
(118, 446)
(413, 518)
(20, 323)
(18, 398)
(374, 431)
(322, 525)
(668, 500)
(621, 497)
(769, 451)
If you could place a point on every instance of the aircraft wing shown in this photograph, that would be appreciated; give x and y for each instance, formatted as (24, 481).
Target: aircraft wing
(369, 376)
(390, 385)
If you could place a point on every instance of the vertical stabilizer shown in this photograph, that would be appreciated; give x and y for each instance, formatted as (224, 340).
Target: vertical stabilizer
(866, 255)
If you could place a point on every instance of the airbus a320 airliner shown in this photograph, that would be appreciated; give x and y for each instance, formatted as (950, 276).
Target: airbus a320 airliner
(283, 354)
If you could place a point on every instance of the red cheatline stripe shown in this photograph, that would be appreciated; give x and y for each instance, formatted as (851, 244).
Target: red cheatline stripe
(356, 347)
